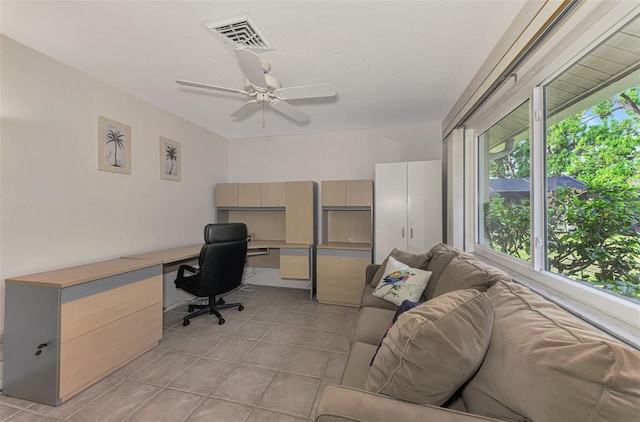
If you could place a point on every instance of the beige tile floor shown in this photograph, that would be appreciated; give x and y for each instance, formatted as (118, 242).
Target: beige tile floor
(269, 363)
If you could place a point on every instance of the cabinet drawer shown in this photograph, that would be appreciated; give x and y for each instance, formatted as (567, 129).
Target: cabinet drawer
(86, 314)
(91, 356)
(296, 267)
(341, 279)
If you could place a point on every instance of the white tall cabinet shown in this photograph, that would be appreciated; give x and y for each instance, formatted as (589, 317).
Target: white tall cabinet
(408, 206)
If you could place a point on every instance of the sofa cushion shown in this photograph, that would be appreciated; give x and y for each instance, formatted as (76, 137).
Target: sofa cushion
(357, 368)
(544, 364)
(401, 282)
(466, 272)
(368, 300)
(372, 324)
(420, 261)
(437, 265)
(433, 348)
(404, 307)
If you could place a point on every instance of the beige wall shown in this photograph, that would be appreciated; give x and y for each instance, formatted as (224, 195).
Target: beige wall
(331, 155)
(56, 208)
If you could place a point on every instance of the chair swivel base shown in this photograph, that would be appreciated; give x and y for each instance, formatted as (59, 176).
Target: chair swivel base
(211, 308)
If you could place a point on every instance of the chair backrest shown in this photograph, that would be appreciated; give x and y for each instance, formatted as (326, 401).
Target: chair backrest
(222, 258)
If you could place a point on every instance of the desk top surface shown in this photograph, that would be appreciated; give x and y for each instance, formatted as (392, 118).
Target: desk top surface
(173, 255)
(169, 256)
(66, 277)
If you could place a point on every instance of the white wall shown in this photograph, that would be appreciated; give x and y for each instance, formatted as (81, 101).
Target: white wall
(330, 155)
(56, 208)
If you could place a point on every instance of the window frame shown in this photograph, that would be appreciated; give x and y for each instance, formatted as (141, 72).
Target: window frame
(612, 313)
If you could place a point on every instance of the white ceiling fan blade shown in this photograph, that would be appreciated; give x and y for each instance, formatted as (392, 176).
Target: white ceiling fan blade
(289, 110)
(306, 91)
(213, 87)
(252, 67)
(246, 108)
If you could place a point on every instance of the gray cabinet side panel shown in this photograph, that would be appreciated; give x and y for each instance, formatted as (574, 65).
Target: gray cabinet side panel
(31, 319)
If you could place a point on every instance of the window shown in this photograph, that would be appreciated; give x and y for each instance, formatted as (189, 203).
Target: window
(587, 215)
(592, 167)
(504, 185)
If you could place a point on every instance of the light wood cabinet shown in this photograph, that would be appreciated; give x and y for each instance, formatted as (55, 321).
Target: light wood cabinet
(249, 194)
(299, 212)
(341, 276)
(226, 195)
(408, 206)
(273, 194)
(69, 328)
(349, 193)
(347, 235)
(280, 216)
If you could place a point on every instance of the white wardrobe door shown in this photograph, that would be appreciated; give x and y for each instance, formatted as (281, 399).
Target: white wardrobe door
(390, 209)
(424, 205)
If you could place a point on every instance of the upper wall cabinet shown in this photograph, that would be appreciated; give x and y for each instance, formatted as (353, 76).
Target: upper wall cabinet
(250, 195)
(273, 194)
(347, 193)
(226, 195)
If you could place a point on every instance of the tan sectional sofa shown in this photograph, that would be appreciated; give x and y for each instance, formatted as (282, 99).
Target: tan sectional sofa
(481, 347)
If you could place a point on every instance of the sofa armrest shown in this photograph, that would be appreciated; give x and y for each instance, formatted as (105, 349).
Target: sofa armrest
(370, 272)
(345, 404)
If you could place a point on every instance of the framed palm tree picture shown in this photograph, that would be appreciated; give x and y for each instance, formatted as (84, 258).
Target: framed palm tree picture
(170, 159)
(114, 146)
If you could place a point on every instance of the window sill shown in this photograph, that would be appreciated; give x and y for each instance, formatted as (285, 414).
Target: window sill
(614, 315)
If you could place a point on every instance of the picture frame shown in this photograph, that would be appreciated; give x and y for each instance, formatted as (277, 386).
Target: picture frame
(114, 146)
(170, 159)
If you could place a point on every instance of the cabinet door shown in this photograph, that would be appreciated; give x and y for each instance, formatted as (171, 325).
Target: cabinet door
(299, 212)
(390, 209)
(249, 195)
(424, 196)
(359, 193)
(341, 279)
(273, 194)
(226, 195)
(334, 193)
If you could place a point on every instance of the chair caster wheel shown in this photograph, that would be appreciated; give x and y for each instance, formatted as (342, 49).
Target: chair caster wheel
(190, 309)
(241, 308)
(221, 321)
(186, 322)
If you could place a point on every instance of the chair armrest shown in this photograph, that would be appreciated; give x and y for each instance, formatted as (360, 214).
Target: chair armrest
(370, 272)
(184, 267)
(345, 404)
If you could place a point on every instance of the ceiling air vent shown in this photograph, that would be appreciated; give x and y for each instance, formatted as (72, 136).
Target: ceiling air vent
(239, 31)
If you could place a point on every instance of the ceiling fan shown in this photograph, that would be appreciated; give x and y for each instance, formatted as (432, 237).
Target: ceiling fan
(262, 88)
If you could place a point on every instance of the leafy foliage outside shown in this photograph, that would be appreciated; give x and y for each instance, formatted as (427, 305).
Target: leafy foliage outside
(594, 232)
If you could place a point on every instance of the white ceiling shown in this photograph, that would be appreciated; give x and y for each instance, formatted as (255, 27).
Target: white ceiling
(394, 63)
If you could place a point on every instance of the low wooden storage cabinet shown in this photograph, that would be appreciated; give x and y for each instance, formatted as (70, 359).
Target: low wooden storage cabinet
(341, 276)
(67, 329)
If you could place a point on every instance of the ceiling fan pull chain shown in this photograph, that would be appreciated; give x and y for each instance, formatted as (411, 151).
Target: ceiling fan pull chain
(263, 125)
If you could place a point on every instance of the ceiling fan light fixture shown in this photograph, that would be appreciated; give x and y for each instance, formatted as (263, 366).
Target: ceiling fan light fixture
(239, 31)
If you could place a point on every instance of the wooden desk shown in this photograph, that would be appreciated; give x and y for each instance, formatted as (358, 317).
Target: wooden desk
(294, 260)
(170, 256)
(67, 329)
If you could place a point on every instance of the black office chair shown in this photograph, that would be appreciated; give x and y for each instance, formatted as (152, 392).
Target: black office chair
(221, 263)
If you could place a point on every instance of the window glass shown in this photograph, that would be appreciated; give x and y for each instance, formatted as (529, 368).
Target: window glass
(592, 163)
(504, 185)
